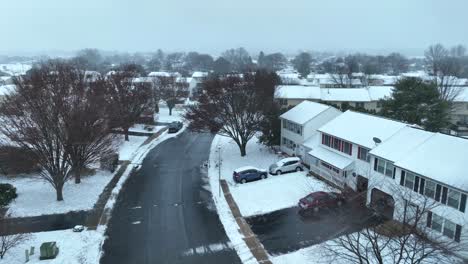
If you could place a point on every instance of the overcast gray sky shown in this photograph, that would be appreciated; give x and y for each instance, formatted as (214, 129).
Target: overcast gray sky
(215, 25)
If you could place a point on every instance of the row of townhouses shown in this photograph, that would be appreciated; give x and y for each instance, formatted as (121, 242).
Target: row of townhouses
(398, 165)
(367, 98)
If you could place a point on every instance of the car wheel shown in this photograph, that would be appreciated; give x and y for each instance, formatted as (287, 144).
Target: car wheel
(298, 169)
(279, 172)
(264, 176)
(316, 209)
(243, 181)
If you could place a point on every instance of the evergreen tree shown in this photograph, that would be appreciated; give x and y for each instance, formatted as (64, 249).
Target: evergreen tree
(417, 102)
(302, 63)
(261, 60)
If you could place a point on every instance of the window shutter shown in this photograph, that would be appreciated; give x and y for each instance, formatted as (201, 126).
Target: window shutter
(394, 172)
(375, 164)
(437, 194)
(416, 184)
(463, 202)
(458, 233)
(421, 186)
(429, 219)
(444, 195)
(402, 178)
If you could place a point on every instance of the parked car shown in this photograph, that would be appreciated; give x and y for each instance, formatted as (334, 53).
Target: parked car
(319, 200)
(248, 173)
(286, 165)
(174, 127)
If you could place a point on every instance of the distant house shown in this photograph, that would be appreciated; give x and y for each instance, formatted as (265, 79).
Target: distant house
(195, 82)
(164, 74)
(367, 98)
(301, 123)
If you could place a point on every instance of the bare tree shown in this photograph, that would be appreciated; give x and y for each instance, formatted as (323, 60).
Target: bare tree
(127, 99)
(32, 118)
(87, 127)
(230, 106)
(8, 242)
(172, 90)
(406, 240)
(444, 69)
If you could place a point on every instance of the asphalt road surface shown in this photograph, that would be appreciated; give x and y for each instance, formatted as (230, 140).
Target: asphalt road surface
(165, 213)
(286, 230)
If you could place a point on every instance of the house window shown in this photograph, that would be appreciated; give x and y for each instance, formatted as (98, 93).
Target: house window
(389, 169)
(409, 180)
(360, 104)
(293, 127)
(330, 167)
(363, 154)
(288, 143)
(454, 199)
(385, 167)
(429, 189)
(449, 229)
(337, 144)
(437, 222)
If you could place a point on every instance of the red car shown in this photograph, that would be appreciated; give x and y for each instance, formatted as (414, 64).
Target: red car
(319, 200)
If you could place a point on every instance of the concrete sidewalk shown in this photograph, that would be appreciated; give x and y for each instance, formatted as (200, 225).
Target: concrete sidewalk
(249, 237)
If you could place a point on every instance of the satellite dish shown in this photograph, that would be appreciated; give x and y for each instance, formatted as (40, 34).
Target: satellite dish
(377, 140)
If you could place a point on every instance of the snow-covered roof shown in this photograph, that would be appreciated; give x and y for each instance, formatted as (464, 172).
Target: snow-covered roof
(368, 94)
(297, 92)
(305, 111)
(361, 128)
(379, 92)
(345, 94)
(5, 89)
(333, 158)
(313, 141)
(199, 74)
(401, 143)
(462, 96)
(442, 158)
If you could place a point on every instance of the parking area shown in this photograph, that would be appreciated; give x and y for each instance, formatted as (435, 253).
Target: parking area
(289, 230)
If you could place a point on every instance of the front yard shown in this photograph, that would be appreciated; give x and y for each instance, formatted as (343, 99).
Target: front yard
(263, 196)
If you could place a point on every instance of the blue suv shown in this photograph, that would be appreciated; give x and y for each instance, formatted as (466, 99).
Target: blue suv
(248, 173)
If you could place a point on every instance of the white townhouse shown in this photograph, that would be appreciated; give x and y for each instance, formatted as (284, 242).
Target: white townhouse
(419, 170)
(301, 123)
(340, 154)
(368, 97)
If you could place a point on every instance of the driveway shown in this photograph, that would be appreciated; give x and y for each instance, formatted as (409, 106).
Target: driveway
(287, 230)
(165, 213)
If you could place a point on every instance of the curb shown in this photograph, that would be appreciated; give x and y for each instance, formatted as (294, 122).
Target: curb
(255, 246)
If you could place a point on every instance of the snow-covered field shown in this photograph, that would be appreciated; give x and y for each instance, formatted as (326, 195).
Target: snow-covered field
(164, 117)
(127, 149)
(15, 68)
(79, 248)
(37, 197)
(263, 196)
(141, 128)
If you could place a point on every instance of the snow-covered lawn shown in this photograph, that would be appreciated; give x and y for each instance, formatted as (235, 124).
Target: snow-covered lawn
(37, 197)
(74, 248)
(127, 149)
(141, 128)
(164, 117)
(263, 196)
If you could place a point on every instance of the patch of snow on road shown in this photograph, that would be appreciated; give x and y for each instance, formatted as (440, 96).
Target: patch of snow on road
(74, 248)
(37, 197)
(263, 196)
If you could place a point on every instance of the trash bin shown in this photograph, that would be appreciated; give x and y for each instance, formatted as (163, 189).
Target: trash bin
(49, 250)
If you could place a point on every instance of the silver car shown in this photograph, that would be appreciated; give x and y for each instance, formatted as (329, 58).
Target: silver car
(286, 165)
